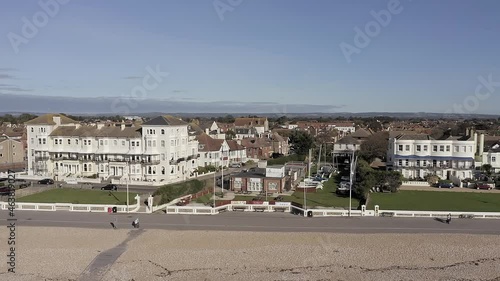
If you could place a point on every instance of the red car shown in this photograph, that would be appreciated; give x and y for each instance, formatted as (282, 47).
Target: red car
(483, 186)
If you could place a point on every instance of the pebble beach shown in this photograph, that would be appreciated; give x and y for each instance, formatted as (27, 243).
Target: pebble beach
(45, 253)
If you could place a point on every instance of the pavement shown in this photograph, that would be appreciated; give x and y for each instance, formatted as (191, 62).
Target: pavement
(261, 222)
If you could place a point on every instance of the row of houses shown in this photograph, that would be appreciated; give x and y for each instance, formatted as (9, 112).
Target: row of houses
(163, 149)
(417, 154)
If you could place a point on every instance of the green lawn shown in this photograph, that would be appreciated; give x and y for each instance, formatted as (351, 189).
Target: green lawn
(204, 199)
(323, 198)
(170, 192)
(79, 196)
(436, 201)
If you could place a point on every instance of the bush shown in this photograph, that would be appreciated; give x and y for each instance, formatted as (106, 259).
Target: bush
(170, 192)
(207, 169)
(283, 160)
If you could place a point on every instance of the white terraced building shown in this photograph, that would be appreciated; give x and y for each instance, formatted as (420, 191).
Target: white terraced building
(416, 156)
(158, 150)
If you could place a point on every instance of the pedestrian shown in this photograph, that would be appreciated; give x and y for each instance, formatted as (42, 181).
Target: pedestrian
(112, 225)
(135, 223)
(448, 219)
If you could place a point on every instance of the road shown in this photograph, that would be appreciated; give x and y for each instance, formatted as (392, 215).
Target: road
(267, 222)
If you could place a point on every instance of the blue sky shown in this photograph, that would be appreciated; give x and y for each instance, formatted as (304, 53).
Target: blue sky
(428, 58)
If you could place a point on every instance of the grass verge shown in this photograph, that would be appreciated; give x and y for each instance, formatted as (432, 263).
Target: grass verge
(170, 192)
(79, 196)
(413, 200)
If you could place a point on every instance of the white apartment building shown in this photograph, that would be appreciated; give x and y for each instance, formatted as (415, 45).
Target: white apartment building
(416, 156)
(157, 151)
(343, 128)
(491, 156)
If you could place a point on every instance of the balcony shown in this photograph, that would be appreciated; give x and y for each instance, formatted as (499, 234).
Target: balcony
(41, 158)
(180, 160)
(151, 162)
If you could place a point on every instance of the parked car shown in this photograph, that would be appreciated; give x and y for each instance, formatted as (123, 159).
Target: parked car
(46, 181)
(446, 185)
(235, 165)
(483, 186)
(110, 187)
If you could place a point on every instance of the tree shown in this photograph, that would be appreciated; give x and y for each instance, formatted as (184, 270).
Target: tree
(326, 137)
(230, 134)
(301, 142)
(375, 147)
(487, 169)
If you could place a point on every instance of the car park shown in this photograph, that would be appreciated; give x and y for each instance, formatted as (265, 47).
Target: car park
(46, 181)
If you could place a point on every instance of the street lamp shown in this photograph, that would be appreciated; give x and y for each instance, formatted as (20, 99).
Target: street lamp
(354, 160)
(128, 179)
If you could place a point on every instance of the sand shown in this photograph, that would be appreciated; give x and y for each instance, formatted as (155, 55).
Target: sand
(64, 253)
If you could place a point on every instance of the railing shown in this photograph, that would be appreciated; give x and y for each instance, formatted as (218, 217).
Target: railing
(73, 207)
(151, 162)
(420, 183)
(41, 158)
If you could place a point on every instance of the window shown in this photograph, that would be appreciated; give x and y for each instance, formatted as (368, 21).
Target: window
(424, 163)
(115, 142)
(464, 148)
(457, 149)
(418, 163)
(32, 130)
(400, 162)
(149, 170)
(85, 167)
(123, 142)
(101, 142)
(90, 167)
(441, 148)
(163, 168)
(162, 131)
(172, 143)
(418, 148)
(56, 141)
(447, 148)
(493, 159)
(133, 143)
(44, 141)
(400, 147)
(149, 143)
(76, 141)
(163, 157)
(154, 143)
(435, 148)
(162, 143)
(84, 142)
(406, 162)
(89, 142)
(69, 141)
(32, 140)
(407, 147)
(425, 147)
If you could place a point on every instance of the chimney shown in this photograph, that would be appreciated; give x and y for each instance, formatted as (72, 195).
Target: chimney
(475, 143)
(481, 145)
(122, 126)
(57, 120)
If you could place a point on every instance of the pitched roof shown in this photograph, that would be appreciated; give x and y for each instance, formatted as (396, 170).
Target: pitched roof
(256, 142)
(243, 122)
(361, 133)
(207, 143)
(48, 119)
(233, 145)
(93, 131)
(165, 120)
(348, 140)
(414, 137)
(194, 129)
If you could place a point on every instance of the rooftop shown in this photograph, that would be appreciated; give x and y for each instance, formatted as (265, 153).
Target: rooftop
(165, 120)
(48, 119)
